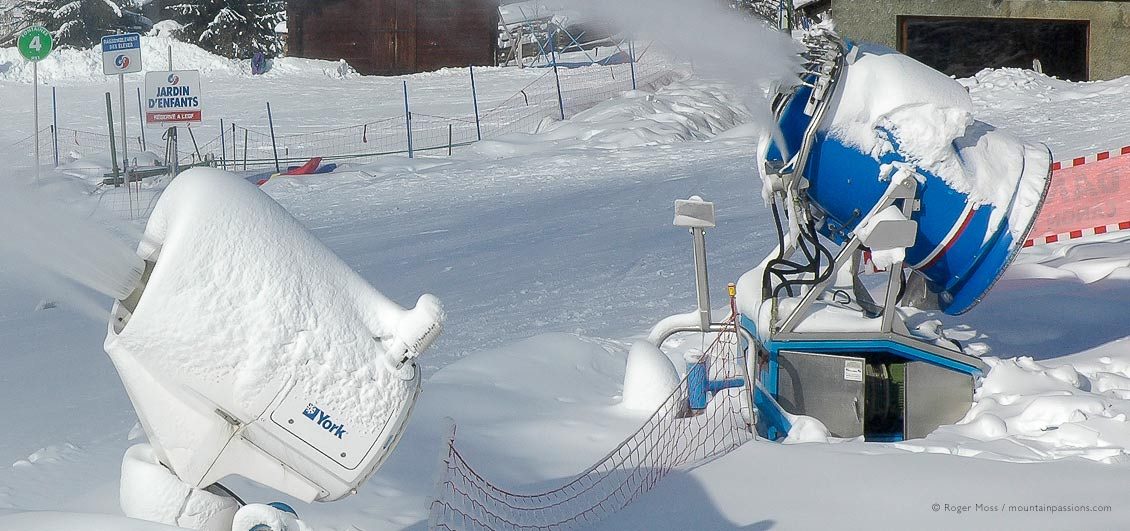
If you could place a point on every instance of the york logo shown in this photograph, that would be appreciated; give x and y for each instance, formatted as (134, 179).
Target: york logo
(320, 418)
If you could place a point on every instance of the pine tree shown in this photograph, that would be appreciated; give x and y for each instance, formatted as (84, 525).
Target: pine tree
(8, 22)
(78, 23)
(232, 28)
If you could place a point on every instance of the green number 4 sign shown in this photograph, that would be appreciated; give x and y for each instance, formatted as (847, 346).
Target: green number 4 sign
(35, 43)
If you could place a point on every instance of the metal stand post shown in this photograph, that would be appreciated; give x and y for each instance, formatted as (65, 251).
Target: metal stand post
(35, 97)
(702, 282)
(475, 99)
(125, 141)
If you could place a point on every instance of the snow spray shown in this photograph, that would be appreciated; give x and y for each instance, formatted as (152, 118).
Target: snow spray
(717, 41)
(714, 38)
(44, 239)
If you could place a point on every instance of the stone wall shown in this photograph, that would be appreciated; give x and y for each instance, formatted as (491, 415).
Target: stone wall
(1109, 57)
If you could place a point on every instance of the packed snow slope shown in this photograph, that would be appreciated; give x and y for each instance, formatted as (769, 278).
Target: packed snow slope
(551, 253)
(1073, 119)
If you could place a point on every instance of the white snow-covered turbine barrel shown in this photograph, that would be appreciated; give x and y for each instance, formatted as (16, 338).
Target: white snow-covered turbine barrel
(251, 349)
(979, 188)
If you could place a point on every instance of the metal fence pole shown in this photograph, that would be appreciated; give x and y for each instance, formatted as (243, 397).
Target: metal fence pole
(234, 145)
(113, 148)
(560, 101)
(141, 120)
(475, 99)
(274, 145)
(632, 61)
(55, 125)
(174, 145)
(223, 145)
(408, 119)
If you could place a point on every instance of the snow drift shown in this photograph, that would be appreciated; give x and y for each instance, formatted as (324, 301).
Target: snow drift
(71, 66)
(683, 111)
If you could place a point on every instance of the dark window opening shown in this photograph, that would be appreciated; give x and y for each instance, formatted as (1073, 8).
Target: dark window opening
(964, 46)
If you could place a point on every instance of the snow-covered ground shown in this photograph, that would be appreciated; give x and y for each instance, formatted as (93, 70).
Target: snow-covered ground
(551, 253)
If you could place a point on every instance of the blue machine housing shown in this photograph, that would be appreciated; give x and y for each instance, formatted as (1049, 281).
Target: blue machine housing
(958, 248)
(961, 248)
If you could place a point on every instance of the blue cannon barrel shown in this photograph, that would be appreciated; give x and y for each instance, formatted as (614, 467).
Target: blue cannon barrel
(980, 191)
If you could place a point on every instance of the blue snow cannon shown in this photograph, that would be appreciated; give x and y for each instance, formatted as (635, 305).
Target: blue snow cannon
(978, 196)
(882, 157)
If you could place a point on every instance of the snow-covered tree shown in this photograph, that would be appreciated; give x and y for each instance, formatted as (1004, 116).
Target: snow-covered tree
(79, 23)
(232, 28)
(8, 23)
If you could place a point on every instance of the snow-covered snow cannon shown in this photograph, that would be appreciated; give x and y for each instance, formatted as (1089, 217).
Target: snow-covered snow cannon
(880, 165)
(250, 349)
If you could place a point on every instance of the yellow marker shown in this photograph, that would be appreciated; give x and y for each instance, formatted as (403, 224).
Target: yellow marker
(733, 289)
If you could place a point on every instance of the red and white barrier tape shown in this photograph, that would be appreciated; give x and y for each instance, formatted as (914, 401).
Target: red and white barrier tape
(1085, 196)
(1079, 161)
(1044, 240)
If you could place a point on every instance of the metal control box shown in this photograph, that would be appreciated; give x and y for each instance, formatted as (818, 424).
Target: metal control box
(872, 395)
(823, 386)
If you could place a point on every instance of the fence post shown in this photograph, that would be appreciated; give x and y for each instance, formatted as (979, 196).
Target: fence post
(141, 119)
(560, 101)
(55, 125)
(274, 145)
(113, 147)
(175, 147)
(475, 99)
(632, 61)
(408, 119)
(195, 146)
(450, 137)
(223, 145)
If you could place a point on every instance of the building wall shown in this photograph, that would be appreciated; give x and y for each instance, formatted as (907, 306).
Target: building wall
(877, 21)
(389, 37)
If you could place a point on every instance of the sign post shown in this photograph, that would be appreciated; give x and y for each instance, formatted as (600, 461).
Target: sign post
(121, 55)
(35, 45)
(173, 98)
